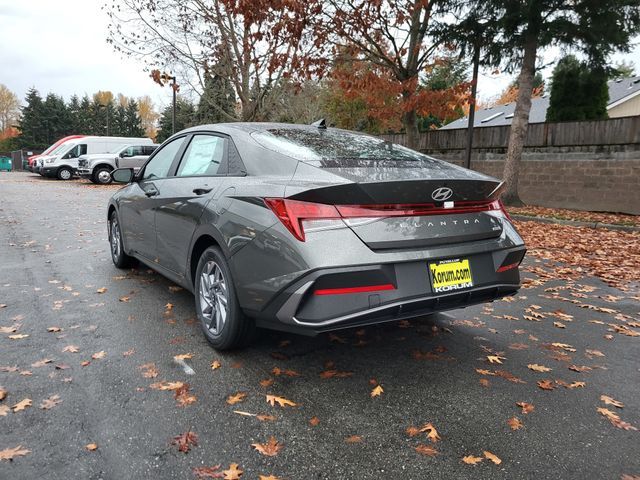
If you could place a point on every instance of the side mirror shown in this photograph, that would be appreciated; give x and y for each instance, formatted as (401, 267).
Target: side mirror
(122, 175)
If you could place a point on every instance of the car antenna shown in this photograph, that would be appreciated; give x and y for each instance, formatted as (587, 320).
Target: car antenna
(320, 124)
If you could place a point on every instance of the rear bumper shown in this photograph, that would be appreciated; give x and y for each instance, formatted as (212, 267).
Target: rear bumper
(300, 309)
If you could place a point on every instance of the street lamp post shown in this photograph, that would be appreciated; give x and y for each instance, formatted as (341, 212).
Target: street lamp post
(162, 79)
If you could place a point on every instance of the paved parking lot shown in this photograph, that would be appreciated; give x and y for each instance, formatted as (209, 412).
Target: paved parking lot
(103, 341)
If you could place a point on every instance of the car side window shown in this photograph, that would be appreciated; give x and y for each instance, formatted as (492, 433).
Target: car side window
(159, 165)
(204, 156)
(148, 150)
(76, 151)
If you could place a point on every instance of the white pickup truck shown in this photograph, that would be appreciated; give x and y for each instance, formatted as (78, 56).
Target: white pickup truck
(98, 167)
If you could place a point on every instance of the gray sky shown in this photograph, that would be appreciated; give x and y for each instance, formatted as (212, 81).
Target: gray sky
(60, 47)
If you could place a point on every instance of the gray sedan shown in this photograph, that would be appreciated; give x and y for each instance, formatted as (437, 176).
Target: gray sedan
(309, 229)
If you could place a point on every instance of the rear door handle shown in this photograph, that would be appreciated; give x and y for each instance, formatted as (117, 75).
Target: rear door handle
(201, 191)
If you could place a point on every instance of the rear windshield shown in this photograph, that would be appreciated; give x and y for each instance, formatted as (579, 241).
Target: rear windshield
(332, 144)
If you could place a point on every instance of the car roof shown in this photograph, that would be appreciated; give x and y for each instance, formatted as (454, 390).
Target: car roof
(248, 127)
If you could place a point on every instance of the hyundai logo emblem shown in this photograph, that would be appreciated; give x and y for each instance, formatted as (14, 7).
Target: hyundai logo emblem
(441, 194)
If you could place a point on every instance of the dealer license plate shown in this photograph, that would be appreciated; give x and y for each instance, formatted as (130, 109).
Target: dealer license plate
(450, 275)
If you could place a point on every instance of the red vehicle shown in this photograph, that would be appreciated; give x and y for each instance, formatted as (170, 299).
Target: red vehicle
(32, 159)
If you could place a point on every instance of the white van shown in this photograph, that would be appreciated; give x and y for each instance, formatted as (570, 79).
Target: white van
(63, 163)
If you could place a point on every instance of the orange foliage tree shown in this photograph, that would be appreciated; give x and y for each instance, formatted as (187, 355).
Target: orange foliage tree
(390, 45)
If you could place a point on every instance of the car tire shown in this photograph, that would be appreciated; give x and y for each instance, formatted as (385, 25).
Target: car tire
(120, 259)
(224, 326)
(64, 173)
(102, 176)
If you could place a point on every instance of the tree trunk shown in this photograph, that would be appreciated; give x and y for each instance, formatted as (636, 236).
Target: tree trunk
(410, 122)
(520, 124)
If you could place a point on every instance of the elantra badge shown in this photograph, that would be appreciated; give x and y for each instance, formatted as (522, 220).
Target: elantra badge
(441, 194)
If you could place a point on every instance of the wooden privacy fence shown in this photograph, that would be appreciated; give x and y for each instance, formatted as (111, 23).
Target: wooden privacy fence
(615, 131)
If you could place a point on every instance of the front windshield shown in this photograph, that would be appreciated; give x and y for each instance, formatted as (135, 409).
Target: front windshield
(64, 148)
(333, 144)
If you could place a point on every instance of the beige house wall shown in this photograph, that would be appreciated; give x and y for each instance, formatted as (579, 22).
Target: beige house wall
(626, 109)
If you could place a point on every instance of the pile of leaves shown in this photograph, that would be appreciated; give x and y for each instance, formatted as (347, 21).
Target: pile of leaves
(611, 255)
(577, 215)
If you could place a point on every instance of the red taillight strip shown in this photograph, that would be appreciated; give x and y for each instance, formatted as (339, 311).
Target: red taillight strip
(292, 212)
(355, 211)
(504, 268)
(342, 291)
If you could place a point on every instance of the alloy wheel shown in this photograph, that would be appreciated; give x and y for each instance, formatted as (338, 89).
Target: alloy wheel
(214, 297)
(115, 237)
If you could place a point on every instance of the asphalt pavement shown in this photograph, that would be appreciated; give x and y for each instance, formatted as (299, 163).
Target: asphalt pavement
(99, 338)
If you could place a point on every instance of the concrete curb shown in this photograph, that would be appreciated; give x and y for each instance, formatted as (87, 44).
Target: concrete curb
(575, 223)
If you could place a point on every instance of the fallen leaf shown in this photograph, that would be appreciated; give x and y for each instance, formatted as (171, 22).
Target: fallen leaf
(427, 450)
(167, 385)
(91, 447)
(494, 458)
(576, 385)
(267, 382)
(538, 368)
(377, 391)
(101, 290)
(270, 449)
(353, 439)
(471, 460)
(559, 325)
(10, 453)
(236, 398)
(185, 441)
(50, 402)
(208, 472)
(71, 349)
(4, 410)
(610, 401)
(283, 402)
(335, 374)
(3, 393)
(99, 355)
(18, 336)
(215, 365)
(495, 358)
(184, 356)
(233, 473)
(314, 421)
(21, 405)
(546, 384)
(149, 370)
(270, 477)
(54, 329)
(526, 407)
(183, 397)
(515, 423)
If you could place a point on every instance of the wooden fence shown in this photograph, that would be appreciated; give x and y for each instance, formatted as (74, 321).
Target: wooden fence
(615, 131)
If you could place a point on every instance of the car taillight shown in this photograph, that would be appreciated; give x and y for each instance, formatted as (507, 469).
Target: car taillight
(292, 214)
(300, 216)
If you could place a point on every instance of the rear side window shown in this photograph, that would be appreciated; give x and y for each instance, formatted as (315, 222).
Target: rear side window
(75, 152)
(159, 165)
(148, 150)
(204, 156)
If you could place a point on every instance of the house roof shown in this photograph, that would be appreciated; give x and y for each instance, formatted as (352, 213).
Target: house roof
(620, 91)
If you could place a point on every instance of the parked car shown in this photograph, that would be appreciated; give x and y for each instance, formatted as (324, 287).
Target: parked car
(63, 162)
(98, 167)
(33, 158)
(309, 229)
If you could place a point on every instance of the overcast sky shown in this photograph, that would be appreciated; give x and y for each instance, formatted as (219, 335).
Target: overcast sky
(60, 47)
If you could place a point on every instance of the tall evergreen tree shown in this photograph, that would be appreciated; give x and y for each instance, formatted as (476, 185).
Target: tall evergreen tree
(185, 117)
(218, 101)
(56, 119)
(133, 123)
(84, 120)
(32, 131)
(578, 92)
